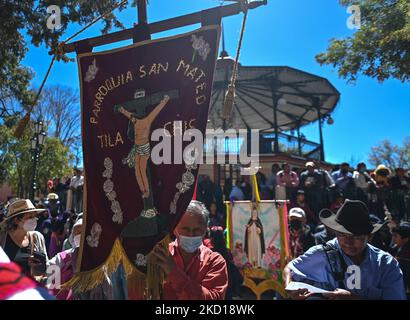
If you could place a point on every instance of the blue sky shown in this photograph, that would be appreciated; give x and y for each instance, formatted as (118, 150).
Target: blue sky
(282, 33)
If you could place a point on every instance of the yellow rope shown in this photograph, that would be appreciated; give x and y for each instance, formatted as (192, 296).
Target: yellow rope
(21, 126)
(256, 189)
(228, 225)
(230, 94)
(95, 21)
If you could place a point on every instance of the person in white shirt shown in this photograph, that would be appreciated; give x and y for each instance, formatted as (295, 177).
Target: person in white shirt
(362, 181)
(76, 186)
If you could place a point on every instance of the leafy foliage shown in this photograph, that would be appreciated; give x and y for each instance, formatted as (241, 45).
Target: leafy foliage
(16, 164)
(391, 155)
(380, 48)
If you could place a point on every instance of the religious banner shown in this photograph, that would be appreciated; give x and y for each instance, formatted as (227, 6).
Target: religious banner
(137, 185)
(257, 240)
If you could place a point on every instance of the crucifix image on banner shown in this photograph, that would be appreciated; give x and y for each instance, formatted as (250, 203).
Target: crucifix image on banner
(139, 132)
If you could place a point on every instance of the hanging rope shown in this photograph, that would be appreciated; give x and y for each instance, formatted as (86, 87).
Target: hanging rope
(21, 126)
(230, 94)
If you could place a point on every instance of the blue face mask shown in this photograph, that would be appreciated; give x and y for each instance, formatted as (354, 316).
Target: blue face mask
(189, 244)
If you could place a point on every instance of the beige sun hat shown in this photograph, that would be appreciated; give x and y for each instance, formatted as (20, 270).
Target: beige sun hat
(52, 196)
(20, 207)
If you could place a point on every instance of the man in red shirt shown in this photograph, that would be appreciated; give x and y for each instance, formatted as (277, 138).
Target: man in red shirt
(193, 272)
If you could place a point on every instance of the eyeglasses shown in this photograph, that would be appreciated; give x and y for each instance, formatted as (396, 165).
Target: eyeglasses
(217, 228)
(345, 236)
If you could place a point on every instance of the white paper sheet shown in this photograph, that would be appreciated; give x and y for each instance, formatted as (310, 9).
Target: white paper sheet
(300, 285)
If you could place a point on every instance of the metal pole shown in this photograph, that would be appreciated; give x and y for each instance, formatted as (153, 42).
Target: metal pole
(223, 53)
(33, 179)
(319, 115)
(275, 121)
(142, 11)
(164, 25)
(299, 141)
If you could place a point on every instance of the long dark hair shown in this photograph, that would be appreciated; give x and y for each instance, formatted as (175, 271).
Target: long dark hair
(12, 224)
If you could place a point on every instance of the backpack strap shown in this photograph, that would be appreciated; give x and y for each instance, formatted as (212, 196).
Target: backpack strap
(337, 264)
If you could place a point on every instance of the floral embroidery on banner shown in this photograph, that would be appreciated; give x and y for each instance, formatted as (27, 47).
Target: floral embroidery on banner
(94, 238)
(141, 260)
(91, 72)
(188, 180)
(200, 46)
(108, 188)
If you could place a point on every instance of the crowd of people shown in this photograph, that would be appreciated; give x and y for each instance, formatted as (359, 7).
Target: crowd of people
(48, 233)
(310, 190)
(25, 256)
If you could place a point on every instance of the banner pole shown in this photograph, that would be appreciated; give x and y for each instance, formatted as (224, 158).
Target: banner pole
(165, 25)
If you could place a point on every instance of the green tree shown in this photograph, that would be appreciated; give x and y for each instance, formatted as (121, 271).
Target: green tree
(23, 21)
(380, 48)
(16, 159)
(393, 156)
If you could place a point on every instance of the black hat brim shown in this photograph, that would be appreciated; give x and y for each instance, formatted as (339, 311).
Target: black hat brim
(328, 218)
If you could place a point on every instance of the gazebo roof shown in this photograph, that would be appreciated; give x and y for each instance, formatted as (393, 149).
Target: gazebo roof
(297, 94)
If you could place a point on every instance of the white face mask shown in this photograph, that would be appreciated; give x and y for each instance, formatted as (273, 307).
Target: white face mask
(30, 224)
(77, 241)
(189, 244)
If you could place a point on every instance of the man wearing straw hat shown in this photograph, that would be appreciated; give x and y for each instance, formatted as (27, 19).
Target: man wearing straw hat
(347, 266)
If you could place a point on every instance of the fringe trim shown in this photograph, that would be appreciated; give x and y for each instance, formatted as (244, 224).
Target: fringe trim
(88, 280)
(155, 275)
(147, 286)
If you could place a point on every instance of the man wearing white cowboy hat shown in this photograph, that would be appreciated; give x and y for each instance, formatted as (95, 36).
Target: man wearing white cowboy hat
(347, 266)
(18, 239)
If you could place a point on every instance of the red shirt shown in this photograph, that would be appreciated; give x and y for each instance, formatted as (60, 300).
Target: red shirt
(204, 278)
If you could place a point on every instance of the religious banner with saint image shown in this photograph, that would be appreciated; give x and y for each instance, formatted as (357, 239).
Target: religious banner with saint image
(137, 185)
(258, 242)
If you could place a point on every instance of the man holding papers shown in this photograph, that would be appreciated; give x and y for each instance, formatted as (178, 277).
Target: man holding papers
(347, 266)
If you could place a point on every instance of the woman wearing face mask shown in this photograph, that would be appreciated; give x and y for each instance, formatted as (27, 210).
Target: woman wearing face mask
(300, 235)
(20, 242)
(66, 261)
